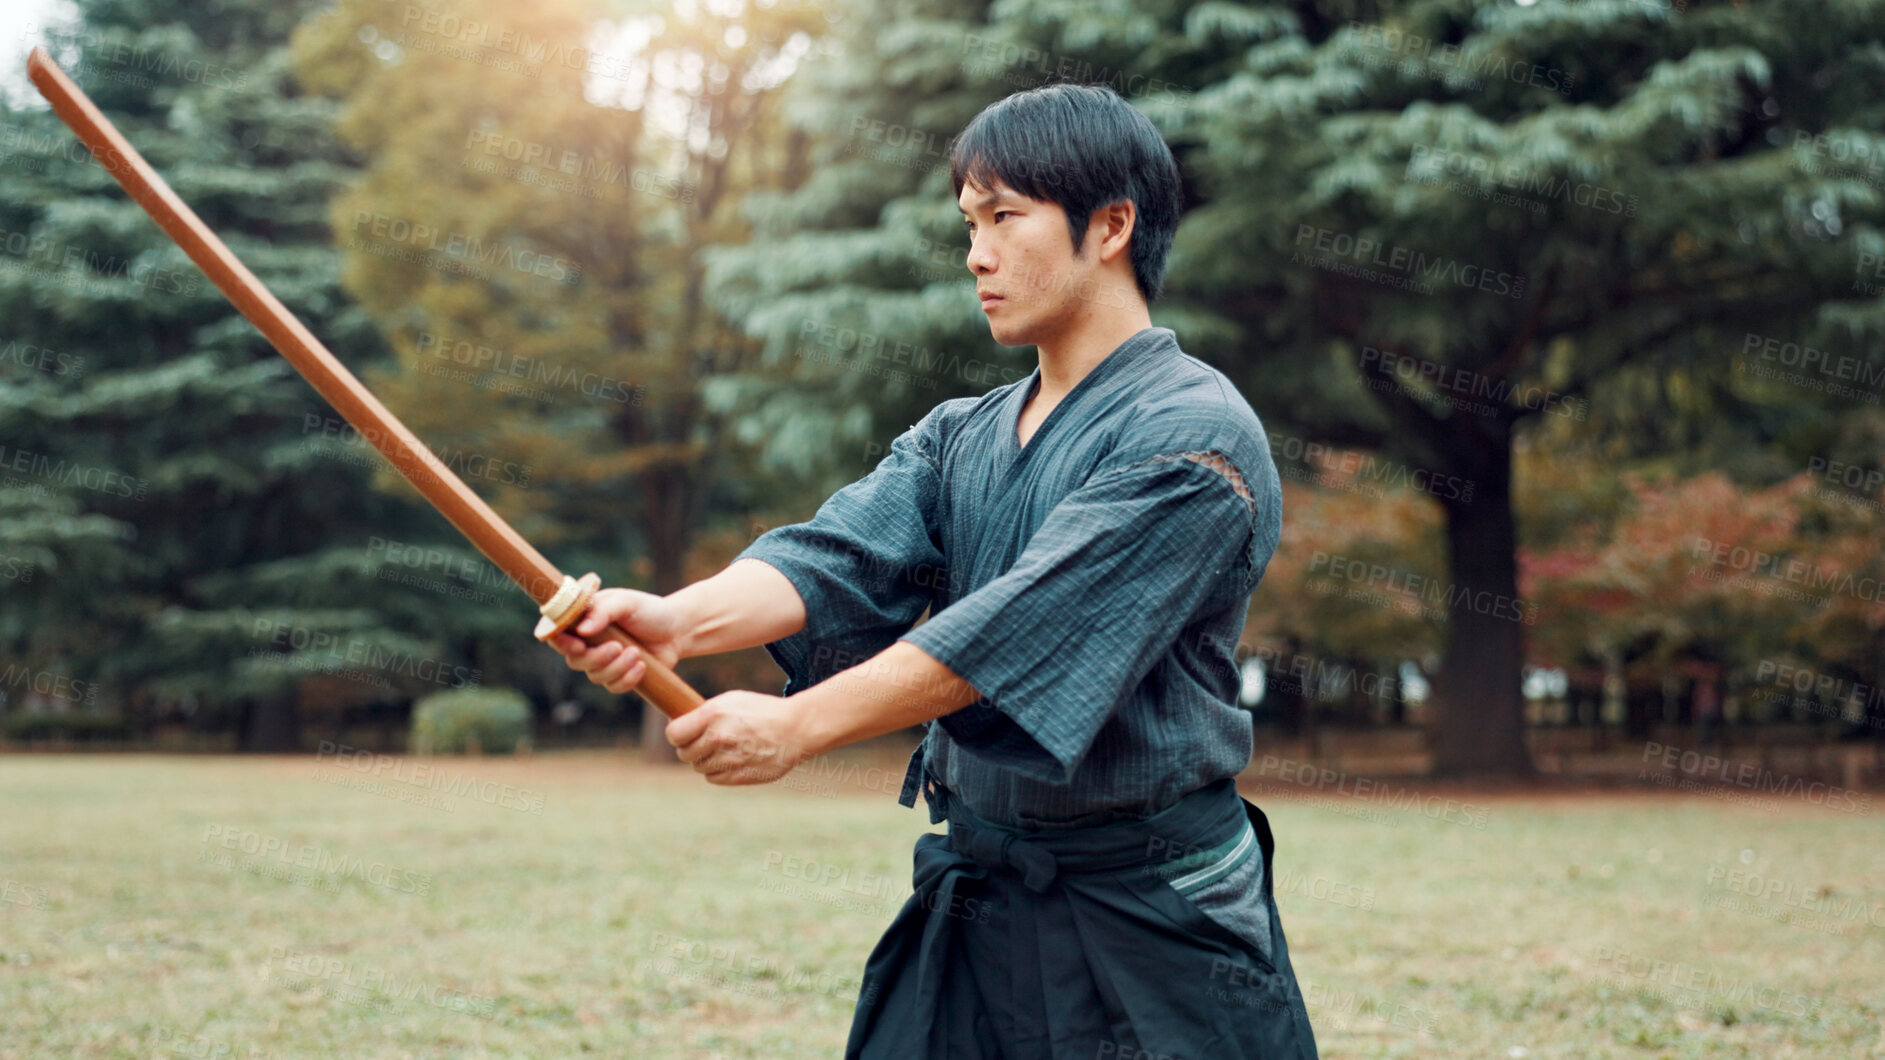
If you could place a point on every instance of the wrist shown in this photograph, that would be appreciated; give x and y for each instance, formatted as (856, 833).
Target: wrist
(823, 717)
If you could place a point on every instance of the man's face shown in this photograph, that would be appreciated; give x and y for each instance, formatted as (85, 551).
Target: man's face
(1026, 273)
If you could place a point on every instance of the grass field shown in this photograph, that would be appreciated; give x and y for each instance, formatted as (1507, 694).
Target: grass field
(586, 905)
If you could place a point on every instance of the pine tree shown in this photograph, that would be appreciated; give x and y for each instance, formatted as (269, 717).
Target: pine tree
(199, 529)
(1414, 229)
(1449, 223)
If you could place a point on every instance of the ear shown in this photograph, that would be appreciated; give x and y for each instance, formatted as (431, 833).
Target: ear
(1113, 226)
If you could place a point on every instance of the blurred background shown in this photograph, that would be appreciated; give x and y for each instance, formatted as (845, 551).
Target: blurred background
(1563, 318)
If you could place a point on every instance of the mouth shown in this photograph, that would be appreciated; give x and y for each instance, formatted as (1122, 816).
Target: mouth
(991, 300)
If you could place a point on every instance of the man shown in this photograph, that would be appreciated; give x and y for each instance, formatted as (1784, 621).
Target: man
(1086, 542)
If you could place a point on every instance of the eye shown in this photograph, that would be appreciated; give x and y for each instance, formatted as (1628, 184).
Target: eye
(999, 214)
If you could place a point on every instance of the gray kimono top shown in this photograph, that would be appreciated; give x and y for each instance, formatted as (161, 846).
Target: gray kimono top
(1091, 585)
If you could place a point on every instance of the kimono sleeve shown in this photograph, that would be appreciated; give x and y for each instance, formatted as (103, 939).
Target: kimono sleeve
(864, 564)
(1059, 642)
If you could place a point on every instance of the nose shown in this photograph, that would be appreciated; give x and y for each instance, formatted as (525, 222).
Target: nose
(981, 258)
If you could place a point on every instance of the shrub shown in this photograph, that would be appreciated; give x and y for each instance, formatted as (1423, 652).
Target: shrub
(75, 726)
(497, 719)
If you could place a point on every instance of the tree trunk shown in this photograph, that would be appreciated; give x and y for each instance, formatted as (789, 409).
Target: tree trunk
(1875, 708)
(670, 496)
(270, 726)
(1479, 723)
(1639, 724)
(1283, 694)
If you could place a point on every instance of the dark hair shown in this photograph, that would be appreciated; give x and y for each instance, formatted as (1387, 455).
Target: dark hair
(1083, 147)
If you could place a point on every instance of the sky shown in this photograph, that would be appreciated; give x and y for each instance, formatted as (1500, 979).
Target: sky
(21, 26)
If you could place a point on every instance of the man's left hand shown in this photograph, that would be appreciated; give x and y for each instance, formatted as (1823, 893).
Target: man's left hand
(741, 738)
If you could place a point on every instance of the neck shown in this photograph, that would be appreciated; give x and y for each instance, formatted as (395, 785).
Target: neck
(1068, 357)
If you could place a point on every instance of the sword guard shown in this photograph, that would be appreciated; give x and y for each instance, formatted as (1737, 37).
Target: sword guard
(661, 687)
(568, 604)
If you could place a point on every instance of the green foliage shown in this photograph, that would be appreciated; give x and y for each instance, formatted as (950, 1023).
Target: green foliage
(496, 720)
(1601, 200)
(1646, 186)
(592, 380)
(764, 287)
(168, 476)
(569, 164)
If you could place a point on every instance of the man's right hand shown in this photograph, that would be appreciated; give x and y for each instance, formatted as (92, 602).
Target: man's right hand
(652, 620)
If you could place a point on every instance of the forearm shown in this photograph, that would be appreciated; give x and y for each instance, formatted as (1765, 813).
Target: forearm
(748, 604)
(894, 689)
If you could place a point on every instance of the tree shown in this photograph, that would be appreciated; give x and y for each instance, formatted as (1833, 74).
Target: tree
(1438, 222)
(875, 321)
(566, 172)
(1454, 220)
(1342, 609)
(186, 527)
